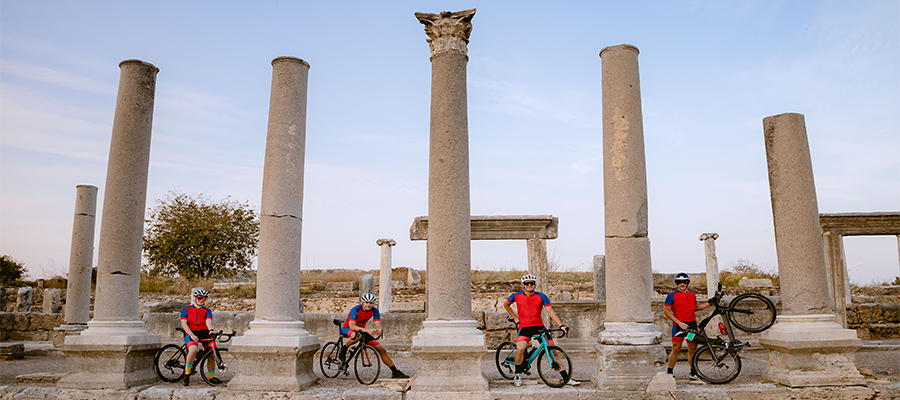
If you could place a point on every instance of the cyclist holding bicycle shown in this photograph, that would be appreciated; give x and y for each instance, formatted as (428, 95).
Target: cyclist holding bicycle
(355, 329)
(196, 320)
(529, 304)
(680, 307)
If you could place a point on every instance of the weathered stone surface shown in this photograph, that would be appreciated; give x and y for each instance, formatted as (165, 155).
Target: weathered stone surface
(21, 321)
(156, 393)
(367, 284)
(164, 306)
(312, 285)
(600, 278)
(39, 377)
(371, 394)
(408, 307)
(52, 301)
(194, 394)
(479, 318)
(340, 286)
(81, 256)
(495, 321)
(414, 277)
(23, 299)
(755, 283)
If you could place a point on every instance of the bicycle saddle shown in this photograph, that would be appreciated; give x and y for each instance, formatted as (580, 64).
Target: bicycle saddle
(337, 322)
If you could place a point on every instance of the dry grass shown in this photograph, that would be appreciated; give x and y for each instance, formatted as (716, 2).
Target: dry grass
(479, 275)
(160, 284)
(333, 275)
(745, 269)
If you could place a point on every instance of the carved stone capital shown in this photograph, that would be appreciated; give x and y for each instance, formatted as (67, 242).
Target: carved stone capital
(389, 242)
(447, 31)
(712, 236)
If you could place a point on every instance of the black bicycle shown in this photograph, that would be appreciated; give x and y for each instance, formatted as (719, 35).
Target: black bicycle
(170, 360)
(717, 360)
(366, 360)
(551, 360)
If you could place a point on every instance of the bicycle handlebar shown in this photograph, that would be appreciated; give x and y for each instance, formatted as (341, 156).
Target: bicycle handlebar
(549, 331)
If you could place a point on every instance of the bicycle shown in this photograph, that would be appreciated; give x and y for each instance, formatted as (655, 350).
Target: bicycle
(715, 360)
(367, 361)
(549, 359)
(170, 360)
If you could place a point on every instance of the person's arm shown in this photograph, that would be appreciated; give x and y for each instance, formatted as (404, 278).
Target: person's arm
(377, 330)
(209, 324)
(355, 328)
(187, 331)
(553, 317)
(509, 311)
(667, 311)
(703, 305)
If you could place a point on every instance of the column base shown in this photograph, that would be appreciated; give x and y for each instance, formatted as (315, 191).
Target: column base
(811, 350)
(110, 355)
(274, 356)
(449, 355)
(630, 357)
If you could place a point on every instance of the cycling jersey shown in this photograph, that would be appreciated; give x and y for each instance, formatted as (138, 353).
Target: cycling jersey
(196, 317)
(683, 305)
(361, 316)
(529, 308)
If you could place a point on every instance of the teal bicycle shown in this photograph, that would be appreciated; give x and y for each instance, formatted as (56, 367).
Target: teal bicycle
(553, 363)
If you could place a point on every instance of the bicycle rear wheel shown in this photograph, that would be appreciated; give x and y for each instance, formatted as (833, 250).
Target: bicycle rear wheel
(367, 365)
(505, 359)
(329, 360)
(169, 363)
(751, 312)
(222, 366)
(550, 369)
(725, 370)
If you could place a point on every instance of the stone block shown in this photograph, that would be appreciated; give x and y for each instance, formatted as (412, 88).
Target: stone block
(7, 321)
(494, 321)
(164, 306)
(194, 394)
(312, 286)
(52, 301)
(21, 321)
(397, 284)
(29, 336)
(340, 286)
(870, 313)
(11, 350)
(893, 290)
(155, 393)
(367, 284)
(414, 278)
(479, 318)
(2, 299)
(23, 299)
(407, 307)
(891, 312)
(755, 283)
(494, 338)
(371, 394)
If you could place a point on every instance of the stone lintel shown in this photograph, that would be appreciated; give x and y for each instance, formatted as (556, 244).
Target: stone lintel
(499, 227)
(851, 224)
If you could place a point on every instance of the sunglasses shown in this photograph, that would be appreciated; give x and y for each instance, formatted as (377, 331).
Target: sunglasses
(200, 297)
(529, 283)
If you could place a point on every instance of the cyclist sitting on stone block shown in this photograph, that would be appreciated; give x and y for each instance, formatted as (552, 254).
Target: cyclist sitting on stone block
(196, 320)
(355, 329)
(529, 304)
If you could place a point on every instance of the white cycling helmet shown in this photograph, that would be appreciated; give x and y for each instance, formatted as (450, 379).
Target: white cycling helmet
(368, 298)
(529, 278)
(682, 277)
(199, 291)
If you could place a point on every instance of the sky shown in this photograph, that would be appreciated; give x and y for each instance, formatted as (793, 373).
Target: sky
(710, 72)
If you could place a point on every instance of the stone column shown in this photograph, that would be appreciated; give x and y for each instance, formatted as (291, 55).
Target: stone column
(807, 347)
(24, 299)
(115, 351)
(712, 263)
(385, 276)
(837, 276)
(81, 260)
(445, 367)
(277, 353)
(538, 265)
(630, 353)
(52, 304)
(600, 278)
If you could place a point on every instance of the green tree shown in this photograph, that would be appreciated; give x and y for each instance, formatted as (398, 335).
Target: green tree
(10, 270)
(197, 238)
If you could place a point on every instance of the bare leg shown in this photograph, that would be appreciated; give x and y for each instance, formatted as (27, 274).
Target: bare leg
(673, 356)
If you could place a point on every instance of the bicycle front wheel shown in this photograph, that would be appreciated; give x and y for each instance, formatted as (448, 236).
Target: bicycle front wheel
(714, 364)
(367, 365)
(217, 367)
(329, 360)
(751, 312)
(555, 371)
(506, 359)
(169, 363)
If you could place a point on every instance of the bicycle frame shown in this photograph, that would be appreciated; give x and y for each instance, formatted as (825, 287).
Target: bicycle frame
(542, 347)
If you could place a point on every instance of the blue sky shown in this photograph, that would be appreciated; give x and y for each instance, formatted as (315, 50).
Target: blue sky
(710, 72)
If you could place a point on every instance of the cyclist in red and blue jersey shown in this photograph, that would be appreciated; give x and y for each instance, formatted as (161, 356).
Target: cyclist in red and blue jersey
(680, 307)
(196, 320)
(355, 329)
(530, 304)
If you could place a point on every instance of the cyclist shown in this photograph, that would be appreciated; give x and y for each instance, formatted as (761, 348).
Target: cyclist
(355, 329)
(680, 307)
(529, 304)
(196, 320)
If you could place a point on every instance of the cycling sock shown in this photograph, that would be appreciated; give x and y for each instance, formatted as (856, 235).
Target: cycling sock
(187, 369)
(394, 369)
(520, 368)
(564, 374)
(211, 374)
(669, 371)
(343, 353)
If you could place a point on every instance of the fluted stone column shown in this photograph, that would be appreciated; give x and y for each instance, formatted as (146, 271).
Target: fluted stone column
(630, 353)
(115, 351)
(276, 353)
(81, 260)
(450, 346)
(712, 263)
(807, 347)
(385, 276)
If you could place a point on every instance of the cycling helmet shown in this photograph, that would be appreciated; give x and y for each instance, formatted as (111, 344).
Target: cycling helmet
(682, 277)
(368, 298)
(199, 291)
(529, 278)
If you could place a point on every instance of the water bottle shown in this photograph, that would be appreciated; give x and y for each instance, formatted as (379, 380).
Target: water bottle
(722, 328)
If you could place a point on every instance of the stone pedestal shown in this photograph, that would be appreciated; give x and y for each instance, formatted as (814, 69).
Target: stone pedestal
(807, 347)
(385, 274)
(81, 259)
(276, 353)
(712, 263)
(115, 351)
(450, 346)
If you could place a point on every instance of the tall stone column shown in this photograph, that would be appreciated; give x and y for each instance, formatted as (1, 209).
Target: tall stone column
(384, 280)
(807, 347)
(81, 260)
(630, 353)
(449, 347)
(538, 265)
(712, 263)
(115, 351)
(837, 276)
(600, 278)
(277, 353)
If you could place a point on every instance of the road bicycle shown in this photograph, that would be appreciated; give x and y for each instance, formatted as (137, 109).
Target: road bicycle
(366, 360)
(170, 360)
(551, 360)
(716, 360)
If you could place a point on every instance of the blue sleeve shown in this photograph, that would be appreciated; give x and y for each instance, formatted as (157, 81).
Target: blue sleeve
(353, 312)
(670, 299)
(544, 299)
(184, 312)
(512, 298)
(208, 313)
(377, 316)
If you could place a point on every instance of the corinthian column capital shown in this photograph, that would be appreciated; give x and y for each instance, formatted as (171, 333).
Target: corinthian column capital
(447, 31)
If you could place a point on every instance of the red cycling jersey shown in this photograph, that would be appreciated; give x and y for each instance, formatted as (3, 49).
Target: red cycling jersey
(529, 308)
(683, 305)
(196, 317)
